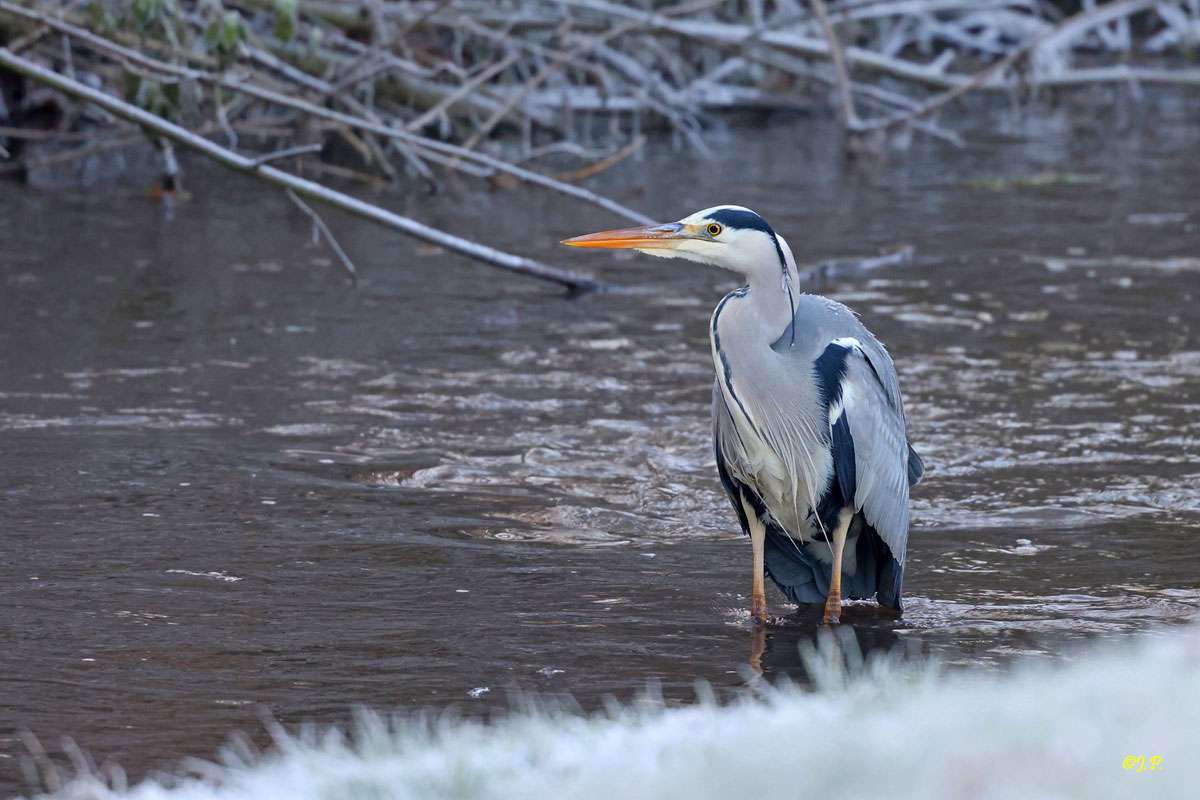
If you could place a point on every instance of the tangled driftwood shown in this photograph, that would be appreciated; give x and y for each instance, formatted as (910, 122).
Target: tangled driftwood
(501, 90)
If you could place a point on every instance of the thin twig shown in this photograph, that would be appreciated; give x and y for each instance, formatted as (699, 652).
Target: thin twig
(299, 150)
(603, 164)
(847, 114)
(374, 181)
(43, 134)
(485, 75)
(319, 225)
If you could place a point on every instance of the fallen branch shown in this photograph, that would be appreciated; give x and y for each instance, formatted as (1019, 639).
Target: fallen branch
(301, 186)
(844, 267)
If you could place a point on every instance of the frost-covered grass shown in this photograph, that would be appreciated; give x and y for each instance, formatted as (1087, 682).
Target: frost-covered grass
(891, 731)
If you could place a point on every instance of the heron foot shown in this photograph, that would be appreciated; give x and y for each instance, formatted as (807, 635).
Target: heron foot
(833, 610)
(758, 607)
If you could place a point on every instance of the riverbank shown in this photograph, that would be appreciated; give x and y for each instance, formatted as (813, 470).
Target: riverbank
(1113, 722)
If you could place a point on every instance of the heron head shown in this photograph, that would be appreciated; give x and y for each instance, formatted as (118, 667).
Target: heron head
(731, 237)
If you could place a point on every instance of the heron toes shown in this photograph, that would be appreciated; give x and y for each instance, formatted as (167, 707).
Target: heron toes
(833, 611)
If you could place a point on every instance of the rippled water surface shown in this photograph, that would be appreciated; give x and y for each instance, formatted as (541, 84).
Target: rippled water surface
(231, 481)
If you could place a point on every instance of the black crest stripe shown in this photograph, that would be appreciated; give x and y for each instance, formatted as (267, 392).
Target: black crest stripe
(741, 219)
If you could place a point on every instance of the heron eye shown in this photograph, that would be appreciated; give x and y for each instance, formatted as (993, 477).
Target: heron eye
(714, 229)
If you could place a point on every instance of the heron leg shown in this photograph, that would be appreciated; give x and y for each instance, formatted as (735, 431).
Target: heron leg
(833, 600)
(758, 539)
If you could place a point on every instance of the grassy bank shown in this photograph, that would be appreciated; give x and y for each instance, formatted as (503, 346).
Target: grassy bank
(1069, 730)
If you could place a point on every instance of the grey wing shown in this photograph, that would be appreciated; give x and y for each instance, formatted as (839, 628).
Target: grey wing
(825, 323)
(870, 410)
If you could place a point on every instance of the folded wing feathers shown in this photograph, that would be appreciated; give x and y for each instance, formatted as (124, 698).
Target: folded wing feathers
(881, 448)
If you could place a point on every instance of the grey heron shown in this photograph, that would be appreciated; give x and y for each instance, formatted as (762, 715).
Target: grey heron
(808, 423)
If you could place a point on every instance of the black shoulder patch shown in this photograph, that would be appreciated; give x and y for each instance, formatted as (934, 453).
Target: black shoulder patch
(830, 369)
(842, 448)
(844, 485)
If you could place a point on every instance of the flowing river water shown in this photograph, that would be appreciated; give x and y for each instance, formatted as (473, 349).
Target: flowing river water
(232, 482)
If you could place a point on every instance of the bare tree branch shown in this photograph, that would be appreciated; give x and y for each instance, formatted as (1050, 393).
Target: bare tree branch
(846, 111)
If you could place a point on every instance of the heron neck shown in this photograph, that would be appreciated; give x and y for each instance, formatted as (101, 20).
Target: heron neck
(745, 325)
(768, 308)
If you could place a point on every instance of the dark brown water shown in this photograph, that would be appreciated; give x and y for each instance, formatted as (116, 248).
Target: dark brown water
(230, 481)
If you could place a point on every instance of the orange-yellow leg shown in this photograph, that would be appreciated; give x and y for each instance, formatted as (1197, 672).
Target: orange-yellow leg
(758, 539)
(833, 600)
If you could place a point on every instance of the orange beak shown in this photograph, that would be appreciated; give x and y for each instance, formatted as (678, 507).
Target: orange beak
(643, 238)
